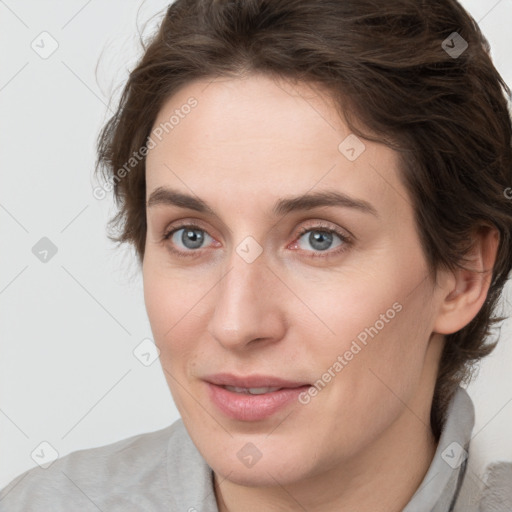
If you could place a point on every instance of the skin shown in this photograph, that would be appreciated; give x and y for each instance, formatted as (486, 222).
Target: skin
(364, 442)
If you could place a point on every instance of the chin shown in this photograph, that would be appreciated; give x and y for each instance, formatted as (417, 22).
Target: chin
(262, 474)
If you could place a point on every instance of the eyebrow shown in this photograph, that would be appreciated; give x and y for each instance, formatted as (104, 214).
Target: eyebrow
(308, 201)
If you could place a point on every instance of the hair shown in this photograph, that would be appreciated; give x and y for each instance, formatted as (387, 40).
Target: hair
(388, 68)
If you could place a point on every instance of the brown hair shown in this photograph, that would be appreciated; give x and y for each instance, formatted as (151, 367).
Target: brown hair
(389, 67)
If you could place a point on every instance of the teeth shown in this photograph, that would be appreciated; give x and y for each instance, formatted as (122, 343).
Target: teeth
(251, 391)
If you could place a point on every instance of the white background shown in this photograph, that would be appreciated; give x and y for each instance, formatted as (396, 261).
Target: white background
(68, 326)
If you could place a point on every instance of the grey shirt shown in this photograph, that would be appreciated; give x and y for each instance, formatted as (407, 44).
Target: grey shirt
(163, 471)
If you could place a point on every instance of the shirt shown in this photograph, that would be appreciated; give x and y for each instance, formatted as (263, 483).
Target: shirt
(164, 471)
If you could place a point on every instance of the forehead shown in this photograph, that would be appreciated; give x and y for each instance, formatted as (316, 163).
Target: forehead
(260, 138)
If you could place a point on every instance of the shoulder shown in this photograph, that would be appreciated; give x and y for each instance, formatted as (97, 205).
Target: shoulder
(497, 491)
(487, 492)
(107, 475)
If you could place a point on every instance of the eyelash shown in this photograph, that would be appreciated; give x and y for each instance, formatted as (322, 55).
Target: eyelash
(346, 241)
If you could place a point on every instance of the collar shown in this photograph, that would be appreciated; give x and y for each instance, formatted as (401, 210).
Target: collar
(439, 490)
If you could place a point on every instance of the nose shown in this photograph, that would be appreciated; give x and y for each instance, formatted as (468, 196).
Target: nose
(248, 307)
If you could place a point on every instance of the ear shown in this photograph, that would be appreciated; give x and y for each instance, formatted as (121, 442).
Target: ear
(464, 290)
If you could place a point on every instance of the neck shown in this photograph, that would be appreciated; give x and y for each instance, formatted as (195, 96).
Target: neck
(367, 484)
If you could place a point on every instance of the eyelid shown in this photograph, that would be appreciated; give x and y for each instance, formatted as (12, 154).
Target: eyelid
(184, 223)
(311, 224)
(328, 226)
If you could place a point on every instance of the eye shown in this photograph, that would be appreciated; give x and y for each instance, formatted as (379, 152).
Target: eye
(187, 238)
(321, 239)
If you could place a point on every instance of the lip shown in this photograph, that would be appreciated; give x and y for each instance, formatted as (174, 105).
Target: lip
(246, 407)
(252, 381)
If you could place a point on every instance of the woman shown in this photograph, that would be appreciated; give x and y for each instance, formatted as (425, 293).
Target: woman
(316, 193)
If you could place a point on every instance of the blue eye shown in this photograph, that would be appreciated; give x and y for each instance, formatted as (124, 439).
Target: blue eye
(190, 237)
(187, 240)
(321, 239)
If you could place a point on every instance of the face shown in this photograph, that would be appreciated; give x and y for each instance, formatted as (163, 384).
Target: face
(284, 255)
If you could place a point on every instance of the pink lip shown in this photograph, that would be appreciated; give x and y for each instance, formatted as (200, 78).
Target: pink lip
(246, 407)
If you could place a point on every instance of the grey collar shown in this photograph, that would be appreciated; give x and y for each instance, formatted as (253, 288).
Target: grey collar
(439, 490)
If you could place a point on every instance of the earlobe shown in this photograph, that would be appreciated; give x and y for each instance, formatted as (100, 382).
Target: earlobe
(468, 287)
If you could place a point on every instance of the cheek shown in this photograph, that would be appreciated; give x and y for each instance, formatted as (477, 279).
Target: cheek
(372, 332)
(348, 308)
(176, 309)
(350, 302)
(161, 300)
(176, 330)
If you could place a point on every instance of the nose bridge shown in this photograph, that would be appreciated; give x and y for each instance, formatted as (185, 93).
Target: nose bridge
(245, 308)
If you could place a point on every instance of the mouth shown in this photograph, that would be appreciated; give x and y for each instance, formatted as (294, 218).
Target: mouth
(252, 398)
(253, 382)
(252, 391)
